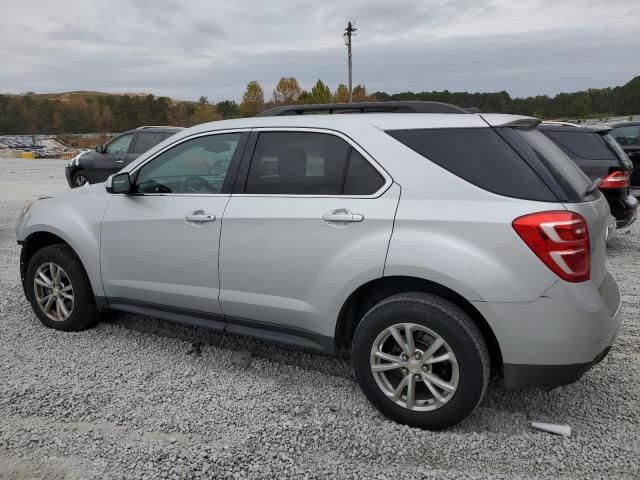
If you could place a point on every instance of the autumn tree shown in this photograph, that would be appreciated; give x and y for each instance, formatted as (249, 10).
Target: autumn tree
(341, 95)
(287, 92)
(320, 93)
(252, 100)
(360, 94)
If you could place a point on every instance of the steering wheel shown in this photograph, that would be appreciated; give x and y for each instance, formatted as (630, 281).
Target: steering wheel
(196, 185)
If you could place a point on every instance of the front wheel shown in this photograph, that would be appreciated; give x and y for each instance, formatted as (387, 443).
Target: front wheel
(421, 360)
(80, 178)
(59, 290)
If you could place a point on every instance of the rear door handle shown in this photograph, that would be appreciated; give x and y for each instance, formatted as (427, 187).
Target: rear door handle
(199, 216)
(342, 215)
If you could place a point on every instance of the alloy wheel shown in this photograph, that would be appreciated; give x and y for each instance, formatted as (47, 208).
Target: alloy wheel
(414, 367)
(53, 292)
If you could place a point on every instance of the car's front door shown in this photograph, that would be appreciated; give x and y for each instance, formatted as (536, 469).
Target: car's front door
(159, 245)
(112, 158)
(628, 137)
(311, 222)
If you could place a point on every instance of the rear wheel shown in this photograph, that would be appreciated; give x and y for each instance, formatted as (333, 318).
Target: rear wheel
(80, 178)
(59, 290)
(421, 360)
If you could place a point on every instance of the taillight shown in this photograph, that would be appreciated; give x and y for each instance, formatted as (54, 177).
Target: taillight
(618, 179)
(561, 240)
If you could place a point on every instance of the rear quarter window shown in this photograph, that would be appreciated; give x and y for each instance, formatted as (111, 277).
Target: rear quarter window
(479, 156)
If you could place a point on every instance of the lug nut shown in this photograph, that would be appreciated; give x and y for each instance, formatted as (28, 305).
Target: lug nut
(404, 371)
(417, 355)
(417, 377)
(425, 368)
(404, 357)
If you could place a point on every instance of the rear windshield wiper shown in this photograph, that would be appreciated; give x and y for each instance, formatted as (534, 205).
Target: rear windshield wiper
(593, 187)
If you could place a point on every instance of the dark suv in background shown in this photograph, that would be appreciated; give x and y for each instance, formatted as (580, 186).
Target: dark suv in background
(96, 166)
(627, 134)
(599, 156)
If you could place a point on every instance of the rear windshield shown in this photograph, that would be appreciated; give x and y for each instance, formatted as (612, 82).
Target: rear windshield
(585, 145)
(480, 156)
(573, 180)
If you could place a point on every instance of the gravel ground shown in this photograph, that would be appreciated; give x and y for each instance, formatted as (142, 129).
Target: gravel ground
(131, 399)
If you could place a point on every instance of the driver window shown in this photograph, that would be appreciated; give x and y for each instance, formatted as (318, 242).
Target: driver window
(198, 165)
(120, 144)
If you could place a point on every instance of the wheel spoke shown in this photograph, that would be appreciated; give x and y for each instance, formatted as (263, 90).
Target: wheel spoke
(68, 296)
(411, 391)
(383, 367)
(433, 348)
(47, 306)
(58, 309)
(400, 388)
(66, 289)
(400, 341)
(42, 283)
(45, 279)
(63, 308)
(58, 277)
(436, 394)
(45, 298)
(439, 382)
(441, 358)
(408, 332)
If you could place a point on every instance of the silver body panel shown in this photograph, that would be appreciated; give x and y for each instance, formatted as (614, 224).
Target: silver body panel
(274, 260)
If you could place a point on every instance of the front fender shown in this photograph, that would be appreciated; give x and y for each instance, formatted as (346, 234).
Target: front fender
(76, 217)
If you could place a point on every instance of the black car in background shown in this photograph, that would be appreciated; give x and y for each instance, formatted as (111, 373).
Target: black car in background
(96, 166)
(599, 156)
(627, 134)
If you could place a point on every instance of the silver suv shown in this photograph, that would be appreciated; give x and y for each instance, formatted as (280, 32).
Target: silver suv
(432, 248)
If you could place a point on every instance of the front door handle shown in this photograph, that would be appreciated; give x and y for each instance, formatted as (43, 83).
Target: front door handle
(342, 215)
(119, 161)
(199, 216)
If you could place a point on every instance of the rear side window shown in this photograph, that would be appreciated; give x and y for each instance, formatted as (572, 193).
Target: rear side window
(586, 145)
(301, 163)
(361, 178)
(146, 140)
(627, 135)
(481, 157)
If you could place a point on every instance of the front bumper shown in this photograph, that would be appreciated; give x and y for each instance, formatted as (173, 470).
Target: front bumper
(67, 174)
(555, 339)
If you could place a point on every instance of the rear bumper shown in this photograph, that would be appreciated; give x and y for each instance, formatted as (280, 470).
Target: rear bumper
(624, 209)
(529, 376)
(555, 339)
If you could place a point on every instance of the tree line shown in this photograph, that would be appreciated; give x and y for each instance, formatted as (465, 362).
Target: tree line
(93, 112)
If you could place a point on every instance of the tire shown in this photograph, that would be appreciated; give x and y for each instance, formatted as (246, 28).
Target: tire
(427, 317)
(75, 314)
(80, 178)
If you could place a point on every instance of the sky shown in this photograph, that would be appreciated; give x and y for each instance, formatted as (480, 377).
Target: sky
(213, 48)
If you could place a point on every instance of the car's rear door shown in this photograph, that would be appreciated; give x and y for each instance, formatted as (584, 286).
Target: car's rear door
(159, 246)
(310, 220)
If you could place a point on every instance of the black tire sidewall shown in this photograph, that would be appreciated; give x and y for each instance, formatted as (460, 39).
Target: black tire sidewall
(473, 368)
(83, 172)
(84, 311)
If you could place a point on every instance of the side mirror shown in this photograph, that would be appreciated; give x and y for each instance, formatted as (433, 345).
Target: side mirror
(100, 148)
(119, 183)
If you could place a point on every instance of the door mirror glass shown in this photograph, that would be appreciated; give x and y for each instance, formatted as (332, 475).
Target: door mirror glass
(100, 148)
(121, 183)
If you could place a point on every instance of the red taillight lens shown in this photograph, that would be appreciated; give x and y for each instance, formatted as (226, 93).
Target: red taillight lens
(619, 179)
(561, 240)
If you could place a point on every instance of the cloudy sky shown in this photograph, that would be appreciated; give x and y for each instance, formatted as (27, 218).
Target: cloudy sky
(189, 48)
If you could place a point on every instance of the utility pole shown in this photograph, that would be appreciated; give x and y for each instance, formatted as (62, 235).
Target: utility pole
(348, 32)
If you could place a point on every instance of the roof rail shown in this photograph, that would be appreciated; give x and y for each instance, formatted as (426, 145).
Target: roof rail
(156, 126)
(366, 107)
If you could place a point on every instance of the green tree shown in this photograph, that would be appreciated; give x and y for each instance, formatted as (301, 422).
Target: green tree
(252, 100)
(320, 93)
(227, 108)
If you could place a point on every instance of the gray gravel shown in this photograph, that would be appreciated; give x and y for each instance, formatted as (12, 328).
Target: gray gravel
(134, 398)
